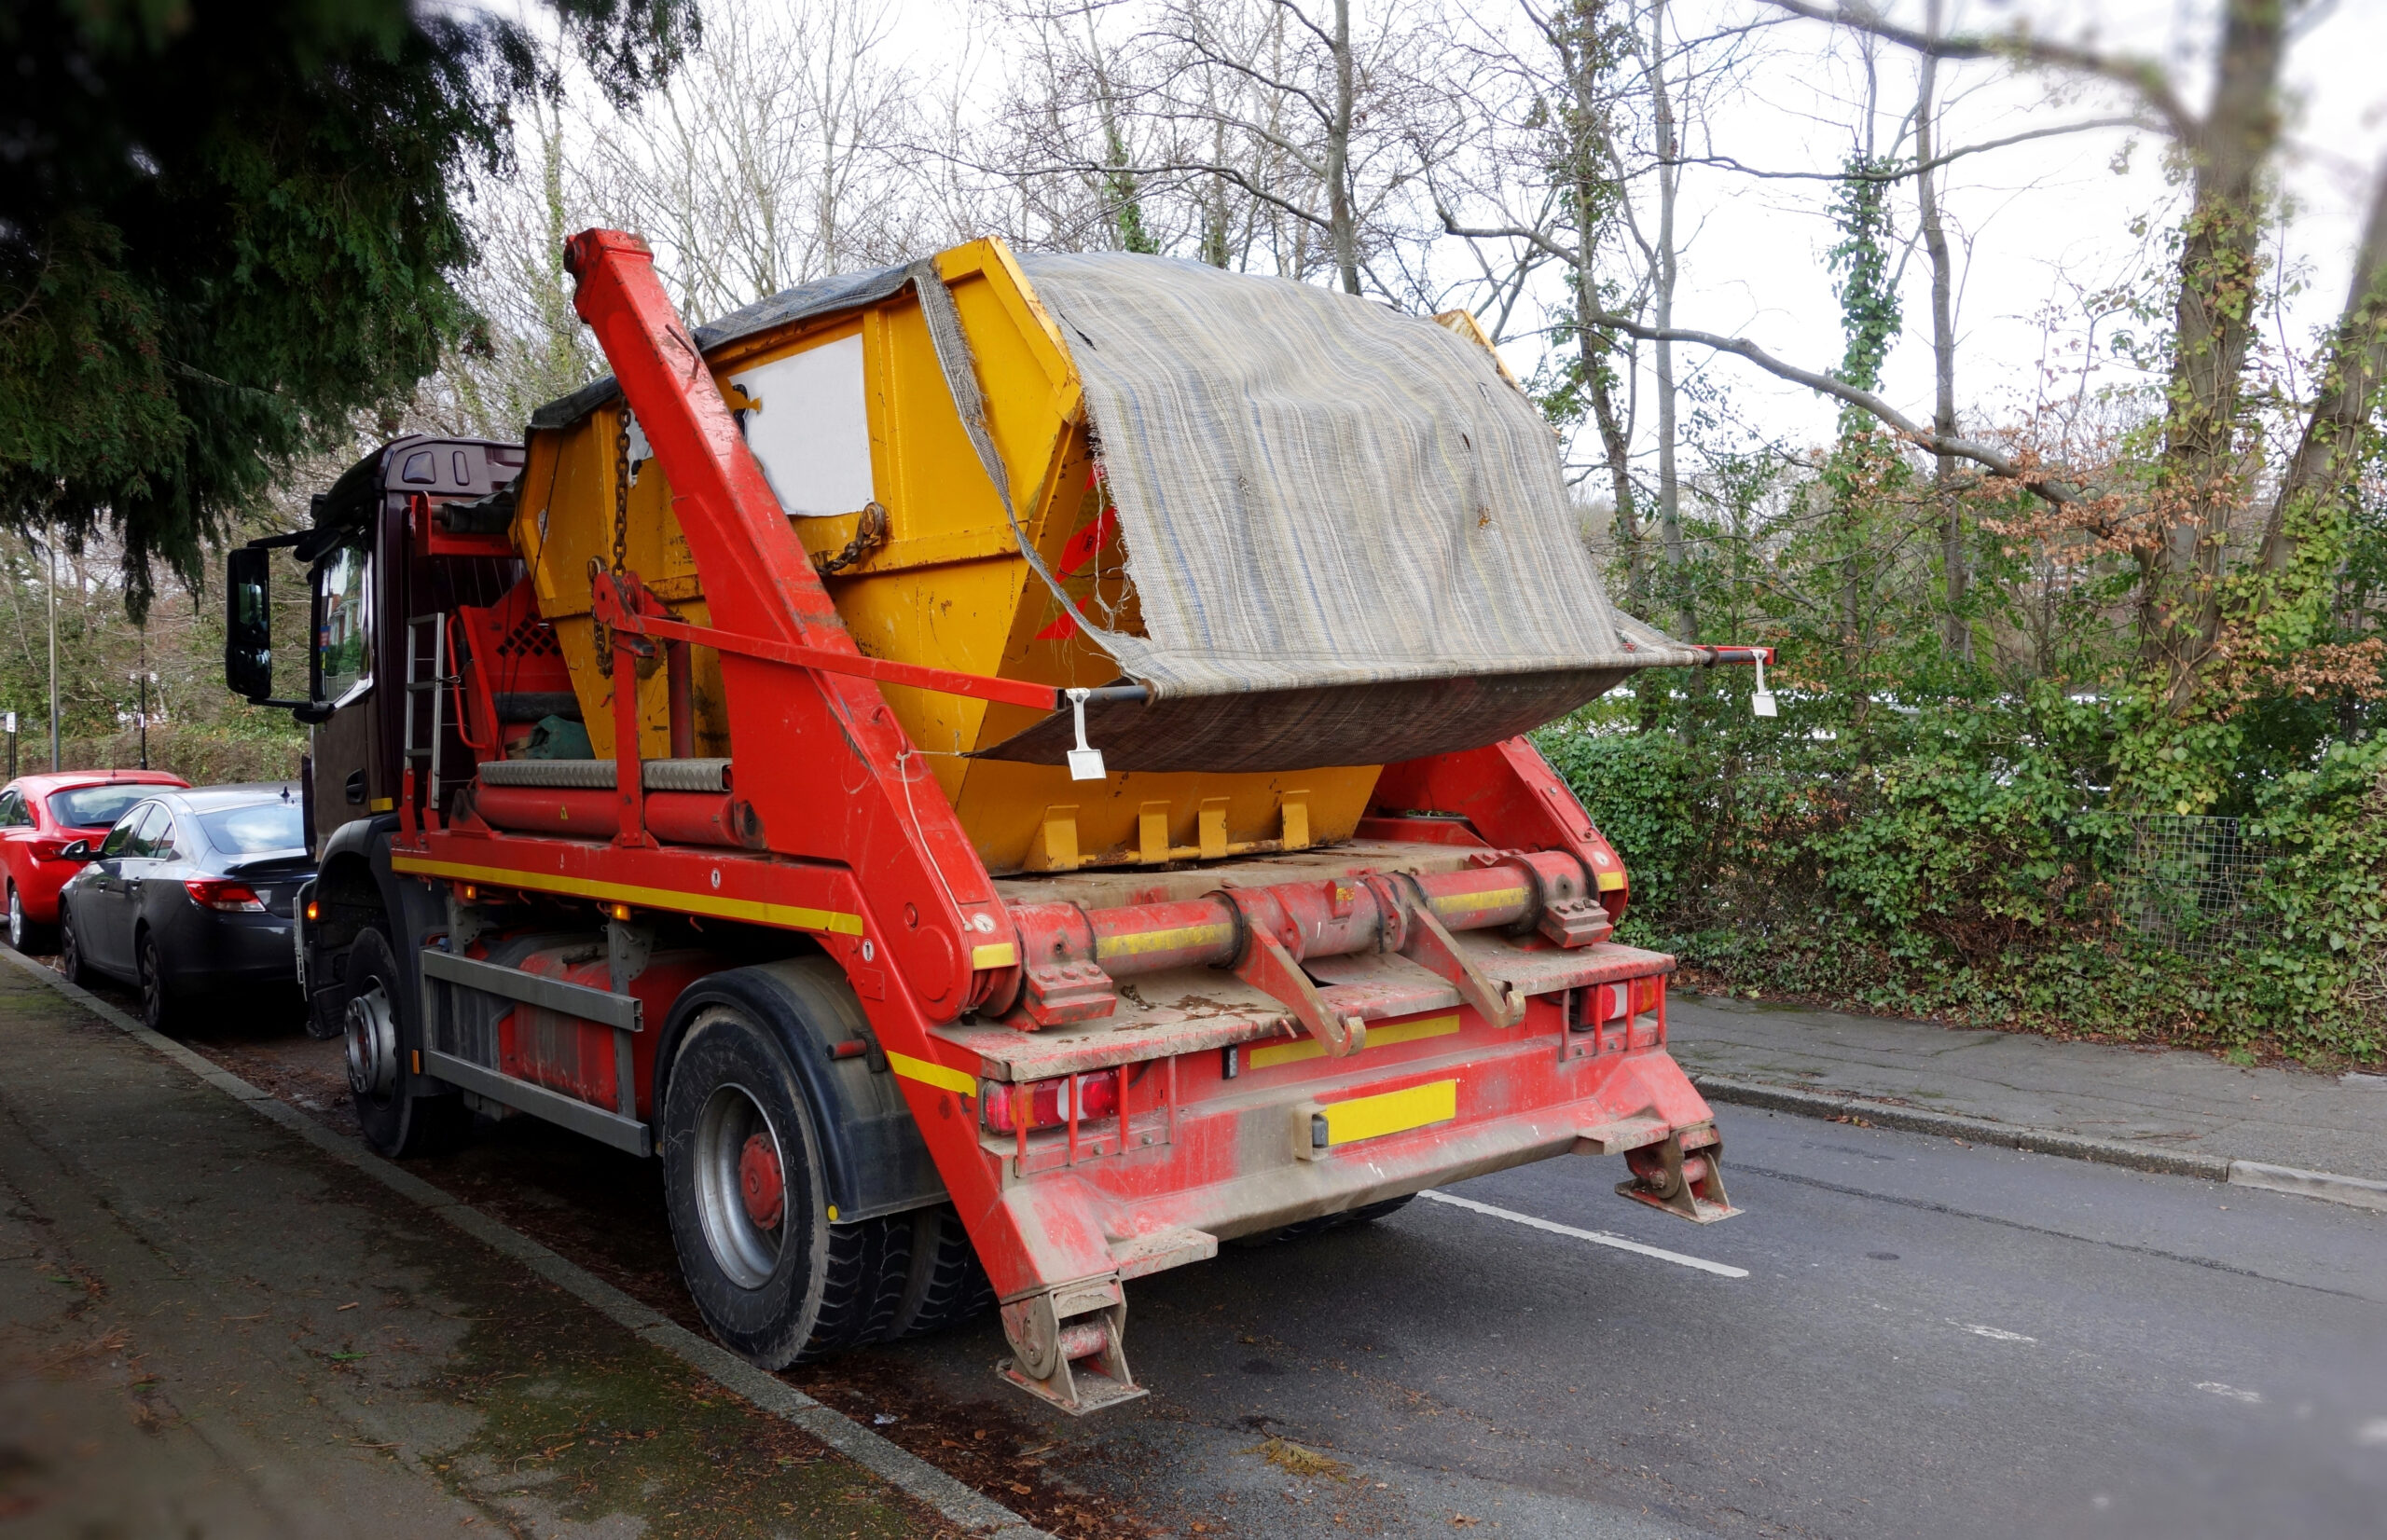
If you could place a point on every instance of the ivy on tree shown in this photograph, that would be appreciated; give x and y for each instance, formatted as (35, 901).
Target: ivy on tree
(229, 229)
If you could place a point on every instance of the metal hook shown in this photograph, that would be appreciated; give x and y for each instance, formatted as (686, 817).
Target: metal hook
(1086, 762)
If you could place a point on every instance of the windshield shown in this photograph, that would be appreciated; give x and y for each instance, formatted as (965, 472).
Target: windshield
(255, 830)
(344, 634)
(94, 806)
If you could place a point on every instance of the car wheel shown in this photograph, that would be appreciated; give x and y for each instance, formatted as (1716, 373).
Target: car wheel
(158, 1002)
(399, 1120)
(774, 1277)
(17, 923)
(70, 950)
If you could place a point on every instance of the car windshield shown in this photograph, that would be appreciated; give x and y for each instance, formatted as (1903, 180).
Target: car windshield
(94, 806)
(254, 829)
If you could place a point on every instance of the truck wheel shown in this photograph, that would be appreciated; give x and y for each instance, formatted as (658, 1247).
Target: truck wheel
(947, 1287)
(776, 1280)
(399, 1121)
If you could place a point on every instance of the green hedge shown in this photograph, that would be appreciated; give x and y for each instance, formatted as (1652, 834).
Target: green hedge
(1963, 864)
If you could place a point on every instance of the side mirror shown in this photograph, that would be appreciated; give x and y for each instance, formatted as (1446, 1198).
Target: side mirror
(248, 624)
(79, 850)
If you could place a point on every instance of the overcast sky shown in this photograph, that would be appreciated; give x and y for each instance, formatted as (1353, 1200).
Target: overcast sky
(2035, 224)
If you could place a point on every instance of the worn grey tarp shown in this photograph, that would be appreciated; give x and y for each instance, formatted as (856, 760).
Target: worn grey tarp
(1349, 537)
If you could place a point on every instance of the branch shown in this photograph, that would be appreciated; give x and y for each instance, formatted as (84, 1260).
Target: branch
(2143, 76)
(1900, 173)
(1996, 461)
(1539, 238)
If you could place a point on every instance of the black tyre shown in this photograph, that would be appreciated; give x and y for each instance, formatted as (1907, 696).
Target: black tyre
(399, 1120)
(70, 950)
(160, 1004)
(1368, 1214)
(24, 934)
(774, 1277)
(946, 1286)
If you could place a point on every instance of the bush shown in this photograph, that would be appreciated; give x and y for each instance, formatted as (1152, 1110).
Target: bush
(1961, 863)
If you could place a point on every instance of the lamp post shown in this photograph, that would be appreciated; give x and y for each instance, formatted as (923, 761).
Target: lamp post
(141, 717)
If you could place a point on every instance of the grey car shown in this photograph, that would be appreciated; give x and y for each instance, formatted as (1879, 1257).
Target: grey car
(190, 892)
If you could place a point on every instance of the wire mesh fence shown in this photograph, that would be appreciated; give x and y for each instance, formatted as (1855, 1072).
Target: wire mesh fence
(2187, 885)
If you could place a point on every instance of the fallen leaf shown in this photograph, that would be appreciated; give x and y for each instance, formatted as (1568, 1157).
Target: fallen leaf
(1293, 1460)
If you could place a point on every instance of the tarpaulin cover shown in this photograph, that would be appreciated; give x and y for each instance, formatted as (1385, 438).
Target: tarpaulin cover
(1349, 535)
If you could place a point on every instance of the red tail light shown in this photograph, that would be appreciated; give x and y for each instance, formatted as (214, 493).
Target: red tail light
(224, 893)
(1046, 1103)
(43, 850)
(1615, 1002)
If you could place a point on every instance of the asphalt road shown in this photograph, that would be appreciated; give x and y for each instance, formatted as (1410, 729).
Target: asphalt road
(1931, 1340)
(1924, 1339)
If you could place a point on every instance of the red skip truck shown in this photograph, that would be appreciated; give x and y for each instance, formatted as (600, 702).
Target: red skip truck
(661, 789)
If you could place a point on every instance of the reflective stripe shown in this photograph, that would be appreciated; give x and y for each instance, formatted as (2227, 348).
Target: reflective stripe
(787, 915)
(993, 954)
(937, 1075)
(1383, 1035)
(1393, 1112)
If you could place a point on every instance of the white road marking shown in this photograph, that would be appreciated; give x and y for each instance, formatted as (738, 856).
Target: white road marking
(2214, 1387)
(1597, 1237)
(1996, 1334)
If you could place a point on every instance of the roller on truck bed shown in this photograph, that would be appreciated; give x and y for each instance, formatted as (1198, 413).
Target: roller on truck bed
(1002, 773)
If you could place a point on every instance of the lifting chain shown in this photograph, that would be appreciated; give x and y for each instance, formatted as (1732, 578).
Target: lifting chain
(621, 526)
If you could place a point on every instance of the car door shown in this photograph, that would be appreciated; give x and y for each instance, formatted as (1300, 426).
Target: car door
(102, 900)
(16, 832)
(96, 896)
(151, 868)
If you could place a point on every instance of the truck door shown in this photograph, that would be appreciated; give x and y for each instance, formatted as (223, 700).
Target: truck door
(342, 753)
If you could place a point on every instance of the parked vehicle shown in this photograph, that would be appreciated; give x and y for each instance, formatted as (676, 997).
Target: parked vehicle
(1049, 793)
(41, 816)
(192, 891)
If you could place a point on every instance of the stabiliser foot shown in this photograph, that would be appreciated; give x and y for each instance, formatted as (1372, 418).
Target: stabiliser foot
(1682, 1174)
(1069, 1346)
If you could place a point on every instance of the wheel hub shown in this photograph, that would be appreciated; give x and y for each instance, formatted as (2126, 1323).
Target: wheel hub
(761, 1183)
(372, 1044)
(741, 1181)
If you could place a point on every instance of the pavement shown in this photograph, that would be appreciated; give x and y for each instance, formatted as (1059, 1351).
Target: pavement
(210, 1326)
(2194, 1105)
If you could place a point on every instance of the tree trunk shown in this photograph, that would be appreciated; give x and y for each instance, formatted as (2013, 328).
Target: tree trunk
(1338, 157)
(1954, 557)
(2334, 445)
(2196, 482)
(1662, 305)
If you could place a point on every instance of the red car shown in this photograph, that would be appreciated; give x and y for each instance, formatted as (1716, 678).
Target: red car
(39, 816)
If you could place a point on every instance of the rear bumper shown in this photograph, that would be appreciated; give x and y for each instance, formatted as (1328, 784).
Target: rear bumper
(202, 950)
(1201, 1155)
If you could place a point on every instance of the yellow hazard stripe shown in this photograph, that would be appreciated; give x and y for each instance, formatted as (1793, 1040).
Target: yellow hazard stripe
(937, 1075)
(1384, 1035)
(788, 915)
(1393, 1112)
(1180, 938)
(993, 954)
